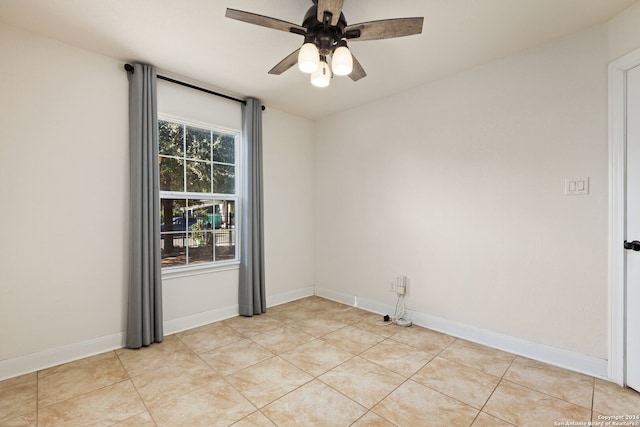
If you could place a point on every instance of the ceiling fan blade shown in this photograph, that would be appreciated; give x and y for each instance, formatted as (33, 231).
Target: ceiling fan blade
(334, 7)
(265, 21)
(384, 29)
(286, 63)
(358, 72)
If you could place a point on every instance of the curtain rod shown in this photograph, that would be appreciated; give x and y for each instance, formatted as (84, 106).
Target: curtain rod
(129, 68)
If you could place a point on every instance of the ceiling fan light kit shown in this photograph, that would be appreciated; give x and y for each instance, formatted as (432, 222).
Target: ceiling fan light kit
(322, 76)
(308, 58)
(342, 61)
(326, 32)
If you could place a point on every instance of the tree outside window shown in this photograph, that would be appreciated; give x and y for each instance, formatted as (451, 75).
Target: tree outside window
(198, 198)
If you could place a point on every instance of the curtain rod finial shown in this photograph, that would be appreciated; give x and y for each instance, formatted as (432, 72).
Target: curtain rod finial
(128, 67)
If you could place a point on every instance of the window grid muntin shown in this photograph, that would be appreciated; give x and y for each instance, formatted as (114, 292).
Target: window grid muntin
(212, 129)
(188, 232)
(188, 196)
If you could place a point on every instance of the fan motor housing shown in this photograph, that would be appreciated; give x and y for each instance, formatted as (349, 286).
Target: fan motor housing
(323, 35)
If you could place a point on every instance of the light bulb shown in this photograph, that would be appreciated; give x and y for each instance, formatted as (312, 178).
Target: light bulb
(308, 58)
(322, 76)
(342, 61)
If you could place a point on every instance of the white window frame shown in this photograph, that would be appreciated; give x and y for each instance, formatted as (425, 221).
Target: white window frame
(204, 268)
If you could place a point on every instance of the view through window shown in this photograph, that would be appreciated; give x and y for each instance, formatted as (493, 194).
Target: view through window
(198, 193)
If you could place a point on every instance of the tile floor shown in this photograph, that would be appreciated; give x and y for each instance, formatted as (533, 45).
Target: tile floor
(311, 362)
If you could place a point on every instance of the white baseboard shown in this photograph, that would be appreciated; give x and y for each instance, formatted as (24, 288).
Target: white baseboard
(289, 296)
(570, 360)
(10, 368)
(32, 362)
(577, 362)
(199, 319)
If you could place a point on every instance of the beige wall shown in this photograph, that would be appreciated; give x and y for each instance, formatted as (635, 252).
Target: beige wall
(63, 181)
(624, 32)
(64, 184)
(459, 184)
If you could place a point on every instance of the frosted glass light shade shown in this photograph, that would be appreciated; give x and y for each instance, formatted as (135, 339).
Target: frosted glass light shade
(342, 61)
(322, 76)
(308, 58)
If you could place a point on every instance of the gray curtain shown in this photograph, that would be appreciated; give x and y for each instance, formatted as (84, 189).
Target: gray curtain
(251, 291)
(144, 322)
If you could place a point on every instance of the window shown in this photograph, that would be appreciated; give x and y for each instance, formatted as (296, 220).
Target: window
(198, 193)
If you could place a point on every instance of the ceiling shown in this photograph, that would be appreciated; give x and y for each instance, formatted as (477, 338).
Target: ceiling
(192, 38)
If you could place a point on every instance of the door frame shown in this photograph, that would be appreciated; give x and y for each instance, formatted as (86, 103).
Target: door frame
(617, 186)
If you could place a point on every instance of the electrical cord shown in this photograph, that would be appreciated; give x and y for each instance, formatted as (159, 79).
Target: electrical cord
(400, 315)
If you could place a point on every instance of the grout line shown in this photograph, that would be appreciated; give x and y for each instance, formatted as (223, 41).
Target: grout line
(37, 398)
(493, 391)
(593, 396)
(130, 379)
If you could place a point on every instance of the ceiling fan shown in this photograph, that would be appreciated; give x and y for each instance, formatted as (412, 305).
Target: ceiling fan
(326, 32)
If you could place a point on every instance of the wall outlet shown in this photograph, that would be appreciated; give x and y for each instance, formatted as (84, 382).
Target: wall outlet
(401, 285)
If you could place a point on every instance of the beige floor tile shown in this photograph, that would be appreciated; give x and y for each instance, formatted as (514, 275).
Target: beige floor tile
(73, 382)
(400, 358)
(611, 399)
(352, 339)
(235, 357)
(486, 420)
(364, 362)
(140, 420)
(370, 419)
(344, 314)
(289, 313)
(214, 404)
(103, 407)
(209, 337)
(282, 339)
(561, 383)
(18, 399)
(154, 356)
(465, 384)
(257, 419)
(476, 356)
(173, 380)
(252, 326)
(413, 404)
(319, 304)
(363, 381)
(319, 327)
(525, 407)
(76, 363)
(375, 324)
(423, 339)
(268, 380)
(309, 406)
(21, 421)
(316, 357)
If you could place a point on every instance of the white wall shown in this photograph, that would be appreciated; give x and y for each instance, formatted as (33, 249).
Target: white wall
(288, 203)
(459, 184)
(63, 181)
(64, 184)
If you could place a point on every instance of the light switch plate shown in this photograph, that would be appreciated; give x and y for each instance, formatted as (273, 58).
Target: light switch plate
(576, 186)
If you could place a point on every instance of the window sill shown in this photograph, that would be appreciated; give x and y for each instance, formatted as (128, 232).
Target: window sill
(186, 271)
